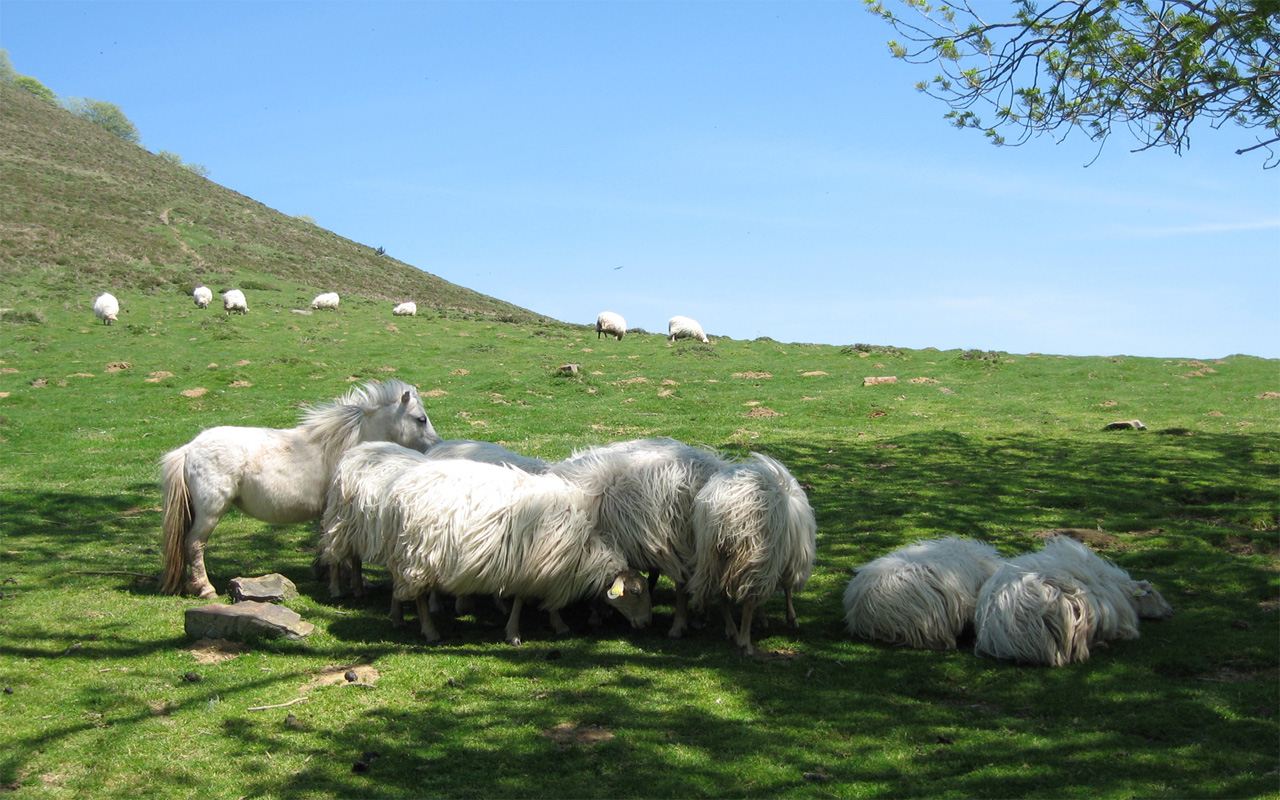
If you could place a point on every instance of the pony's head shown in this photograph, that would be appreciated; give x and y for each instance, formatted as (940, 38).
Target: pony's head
(377, 411)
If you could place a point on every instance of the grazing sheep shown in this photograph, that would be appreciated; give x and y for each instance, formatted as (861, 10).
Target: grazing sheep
(465, 527)
(233, 300)
(1052, 606)
(327, 300)
(921, 596)
(405, 310)
(203, 296)
(106, 307)
(642, 494)
(755, 532)
(684, 328)
(610, 324)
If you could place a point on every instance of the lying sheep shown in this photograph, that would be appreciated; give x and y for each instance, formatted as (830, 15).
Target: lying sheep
(642, 494)
(1053, 606)
(684, 328)
(106, 307)
(202, 295)
(327, 300)
(465, 527)
(233, 300)
(921, 596)
(755, 532)
(405, 310)
(610, 324)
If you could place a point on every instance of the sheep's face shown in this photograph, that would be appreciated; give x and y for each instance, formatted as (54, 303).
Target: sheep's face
(630, 595)
(1149, 603)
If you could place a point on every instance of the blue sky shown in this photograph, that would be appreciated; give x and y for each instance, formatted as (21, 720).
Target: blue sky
(766, 168)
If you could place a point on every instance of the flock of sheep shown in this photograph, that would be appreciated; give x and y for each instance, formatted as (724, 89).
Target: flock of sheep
(467, 518)
(106, 307)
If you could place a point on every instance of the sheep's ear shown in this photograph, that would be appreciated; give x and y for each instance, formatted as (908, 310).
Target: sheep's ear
(404, 398)
(1141, 589)
(618, 588)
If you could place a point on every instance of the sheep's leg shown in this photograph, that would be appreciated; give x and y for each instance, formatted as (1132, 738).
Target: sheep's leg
(463, 605)
(792, 622)
(680, 622)
(726, 611)
(356, 576)
(513, 622)
(499, 604)
(557, 623)
(433, 602)
(744, 632)
(424, 618)
(397, 612)
(335, 581)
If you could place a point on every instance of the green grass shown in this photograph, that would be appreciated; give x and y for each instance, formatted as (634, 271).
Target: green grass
(994, 445)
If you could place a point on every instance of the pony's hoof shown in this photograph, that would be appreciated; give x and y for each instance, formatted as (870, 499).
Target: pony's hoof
(675, 633)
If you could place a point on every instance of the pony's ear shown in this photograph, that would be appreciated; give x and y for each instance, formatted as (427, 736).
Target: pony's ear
(404, 398)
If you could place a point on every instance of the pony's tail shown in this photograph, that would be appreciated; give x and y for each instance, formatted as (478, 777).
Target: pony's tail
(177, 519)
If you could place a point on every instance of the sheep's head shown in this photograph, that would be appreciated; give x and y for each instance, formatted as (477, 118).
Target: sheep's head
(630, 595)
(1149, 603)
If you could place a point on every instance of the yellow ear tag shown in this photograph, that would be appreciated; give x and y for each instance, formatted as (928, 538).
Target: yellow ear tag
(616, 590)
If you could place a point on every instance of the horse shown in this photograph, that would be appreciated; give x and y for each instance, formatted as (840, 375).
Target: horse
(276, 475)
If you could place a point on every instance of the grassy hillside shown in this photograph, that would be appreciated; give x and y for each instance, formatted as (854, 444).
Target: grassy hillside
(105, 696)
(86, 212)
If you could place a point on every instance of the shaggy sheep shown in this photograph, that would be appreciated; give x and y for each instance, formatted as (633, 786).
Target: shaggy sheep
(1052, 606)
(202, 295)
(685, 328)
(351, 527)
(233, 300)
(327, 300)
(642, 495)
(610, 324)
(921, 596)
(755, 532)
(405, 310)
(106, 307)
(464, 527)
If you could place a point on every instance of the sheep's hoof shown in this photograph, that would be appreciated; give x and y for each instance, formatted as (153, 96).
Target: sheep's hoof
(675, 633)
(431, 637)
(514, 641)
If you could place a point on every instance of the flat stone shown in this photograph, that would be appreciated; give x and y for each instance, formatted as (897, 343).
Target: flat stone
(1126, 425)
(273, 588)
(245, 620)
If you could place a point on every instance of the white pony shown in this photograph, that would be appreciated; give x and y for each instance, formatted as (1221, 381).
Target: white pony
(275, 475)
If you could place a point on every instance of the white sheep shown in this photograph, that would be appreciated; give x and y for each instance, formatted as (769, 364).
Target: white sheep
(1053, 606)
(755, 532)
(921, 596)
(610, 324)
(327, 300)
(464, 527)
(409, 309)
(106, 308)
(642, 494)
(233, 300)
(684, 328)
(203, 296)
(351, 528)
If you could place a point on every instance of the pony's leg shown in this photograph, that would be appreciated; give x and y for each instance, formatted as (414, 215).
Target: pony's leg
(744, 632)
(194, 542)
(513, 622)
(424, 618)
(680, 622)
(792, 622)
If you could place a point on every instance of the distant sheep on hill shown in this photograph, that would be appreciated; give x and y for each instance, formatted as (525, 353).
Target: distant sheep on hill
(233, 300)
(684, 328)
(1053, 606)
(610, 324)
(327, 300)
(405, 310)
(921, 596)
(203, 296)
(106, 307)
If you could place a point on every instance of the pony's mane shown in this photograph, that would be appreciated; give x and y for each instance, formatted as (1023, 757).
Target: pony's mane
(336, 424)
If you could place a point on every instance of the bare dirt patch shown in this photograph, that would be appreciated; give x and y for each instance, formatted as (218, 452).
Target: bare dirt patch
(762, 412)
(244, 362)
(8, 371)
(1094, 538)
(568, 734)
(40, 382)
(923, 380)
(118, 366)
(199, 391)
(1268, 396)
(813, 374)
(3, 395)
(752, 375)
(82, 375)
(338, 675)
(461, 372)
(158, 376)
(240, 384)
(436, 393)
(632, 381)
(214, 651)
